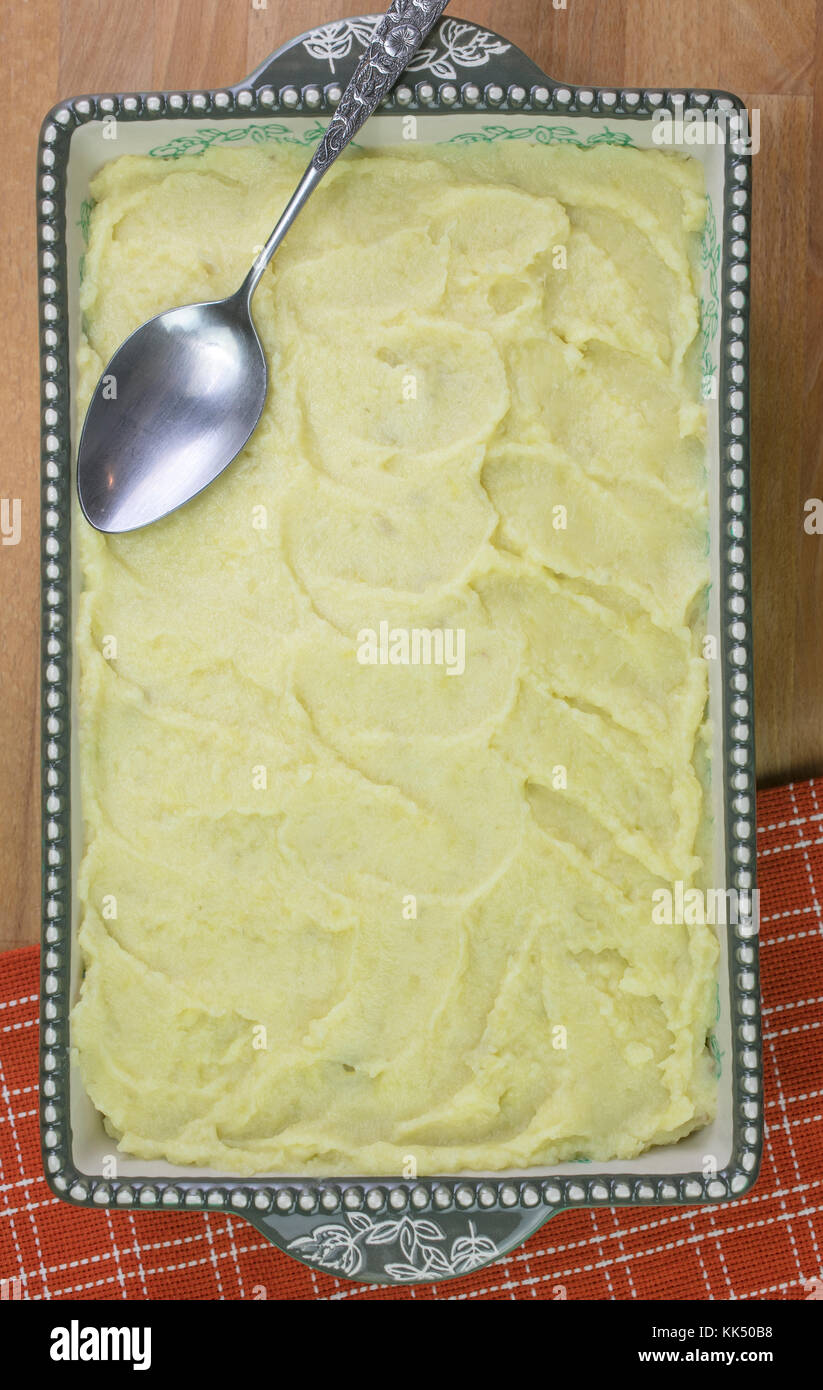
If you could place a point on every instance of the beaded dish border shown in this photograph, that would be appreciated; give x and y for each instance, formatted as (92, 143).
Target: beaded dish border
(394, 1230)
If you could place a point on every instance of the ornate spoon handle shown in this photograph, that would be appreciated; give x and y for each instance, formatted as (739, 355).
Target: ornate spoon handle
(395, 42)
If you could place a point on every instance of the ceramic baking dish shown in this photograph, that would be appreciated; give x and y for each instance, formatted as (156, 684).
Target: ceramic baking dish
(467, 85)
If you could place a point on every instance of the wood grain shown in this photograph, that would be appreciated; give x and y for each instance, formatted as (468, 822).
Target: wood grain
(769, 53)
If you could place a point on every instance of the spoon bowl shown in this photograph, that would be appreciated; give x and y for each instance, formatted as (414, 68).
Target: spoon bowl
(175, 405)
(182, 395)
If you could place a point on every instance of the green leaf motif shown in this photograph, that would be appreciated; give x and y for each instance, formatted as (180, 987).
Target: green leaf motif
(541, 135)
(709, 303)
(717, 1054)
(270, 132)
(84, 220)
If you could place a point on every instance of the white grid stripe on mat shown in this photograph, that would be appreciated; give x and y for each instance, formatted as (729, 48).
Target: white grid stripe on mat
(725, 1268)
(703, 1270)
(606, 1269)
(786, 849)
(784, 1110)
(28, 1207)
(807, 860)
(236, 1257)
(773, 1288)
(135, 1246)
(794, 820)
(213, 1257)
(529, 1281)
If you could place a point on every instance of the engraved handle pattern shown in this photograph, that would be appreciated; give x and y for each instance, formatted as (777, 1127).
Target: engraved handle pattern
(395, 42)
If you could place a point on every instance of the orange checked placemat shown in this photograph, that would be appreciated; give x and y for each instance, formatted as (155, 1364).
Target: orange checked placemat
(768, 1245)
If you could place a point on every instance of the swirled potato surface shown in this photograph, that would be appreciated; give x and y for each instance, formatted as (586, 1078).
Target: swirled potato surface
(339, 913)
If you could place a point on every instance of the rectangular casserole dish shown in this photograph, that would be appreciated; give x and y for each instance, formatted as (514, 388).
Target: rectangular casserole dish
(469, 85)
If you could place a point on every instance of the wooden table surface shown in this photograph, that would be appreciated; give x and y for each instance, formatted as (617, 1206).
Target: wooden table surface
(767, 51)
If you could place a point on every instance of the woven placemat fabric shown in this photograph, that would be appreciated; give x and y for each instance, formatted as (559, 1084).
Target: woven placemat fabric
(764, 1246)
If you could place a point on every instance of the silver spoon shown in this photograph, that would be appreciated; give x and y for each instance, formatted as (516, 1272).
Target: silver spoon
(190, 385)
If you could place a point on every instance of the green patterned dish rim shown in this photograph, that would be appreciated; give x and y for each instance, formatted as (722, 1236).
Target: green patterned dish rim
(397, 1230)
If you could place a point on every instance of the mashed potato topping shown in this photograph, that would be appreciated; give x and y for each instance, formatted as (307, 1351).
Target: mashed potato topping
(340, 912)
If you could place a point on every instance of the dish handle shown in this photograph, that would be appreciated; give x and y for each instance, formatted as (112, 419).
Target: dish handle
(401, 1247)
(456, 51)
